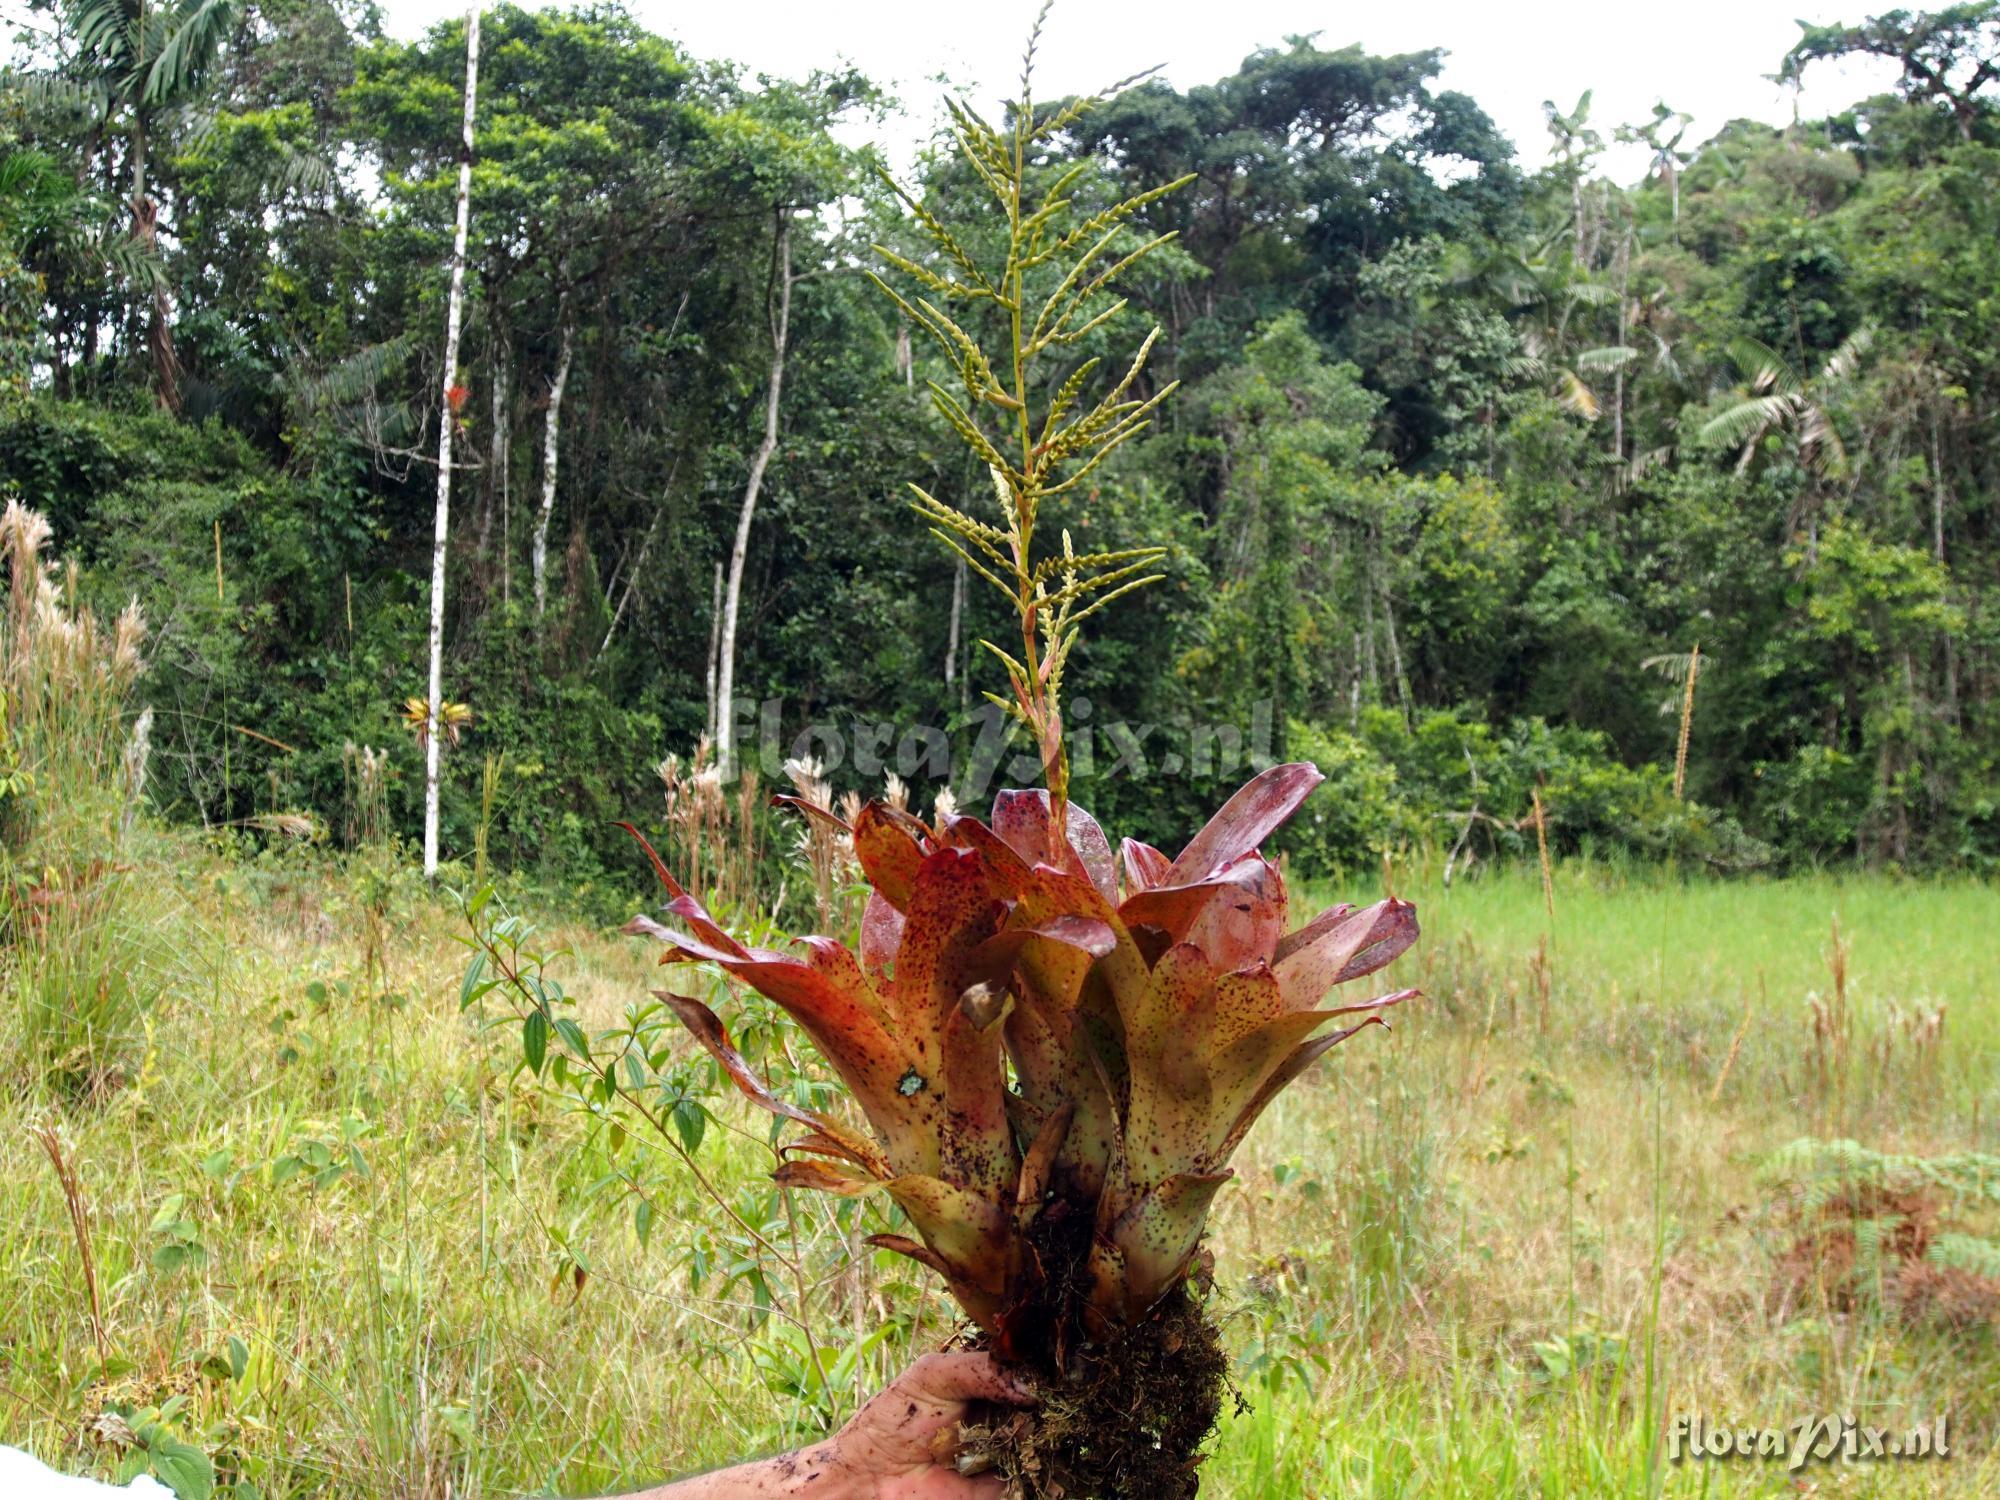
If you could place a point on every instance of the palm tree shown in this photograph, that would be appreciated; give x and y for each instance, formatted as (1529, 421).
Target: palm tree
(138, 63)
(1669, 161)
(1577, 145)
(1775, 399)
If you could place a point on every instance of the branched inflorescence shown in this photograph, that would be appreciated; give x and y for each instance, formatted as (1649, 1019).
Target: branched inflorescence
(1053, 291)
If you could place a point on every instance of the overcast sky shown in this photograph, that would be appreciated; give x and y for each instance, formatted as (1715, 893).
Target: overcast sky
(1706, 57)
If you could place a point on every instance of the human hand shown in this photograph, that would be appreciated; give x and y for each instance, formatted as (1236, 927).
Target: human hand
(891, 1450)
(887, 1447)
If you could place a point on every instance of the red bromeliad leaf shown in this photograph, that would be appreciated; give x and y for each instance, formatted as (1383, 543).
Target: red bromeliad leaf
(1295, 1064)
(1021, 819)
(828, 1137)
(844, 1019)
(1345, 949)
(1236, 915)
(1039, 1162)
(952, 912)
(1158, 1234)
(1300, 937)
(1259, 808)
(1168, 1108)
(824, 1177)
(812, 811)
(889, 854)
(1145, 866)
(881, 936)
(972, 1236)
(1242, 924)
(675, 890)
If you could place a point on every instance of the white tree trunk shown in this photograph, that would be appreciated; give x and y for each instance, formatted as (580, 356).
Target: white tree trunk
(714, 645)
(551, 432)
(957, 612)
(433, 728)
(781, 317)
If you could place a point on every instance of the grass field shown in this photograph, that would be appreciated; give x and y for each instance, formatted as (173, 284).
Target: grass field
(338, 1247)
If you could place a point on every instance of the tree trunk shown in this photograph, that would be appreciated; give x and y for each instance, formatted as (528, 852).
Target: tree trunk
(778, 292)
(714, 645)
(146, 231)
(957, 612)
(1937, 492)
(1618, 385)
(447, 421)
(638, 564)
(1396, 653)
(551, 433)
(496, 461)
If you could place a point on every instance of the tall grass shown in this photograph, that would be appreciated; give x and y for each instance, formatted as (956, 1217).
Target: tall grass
(79, 963)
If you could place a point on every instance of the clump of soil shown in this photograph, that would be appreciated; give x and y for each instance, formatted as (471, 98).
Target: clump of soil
(1120, 1417)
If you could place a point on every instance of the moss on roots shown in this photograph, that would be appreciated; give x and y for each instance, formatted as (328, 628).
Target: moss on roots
(1123, 1417)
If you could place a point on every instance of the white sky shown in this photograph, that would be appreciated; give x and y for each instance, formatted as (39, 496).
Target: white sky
(1706, 57)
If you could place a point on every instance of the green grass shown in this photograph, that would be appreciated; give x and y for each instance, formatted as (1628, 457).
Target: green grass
(1447, 1267)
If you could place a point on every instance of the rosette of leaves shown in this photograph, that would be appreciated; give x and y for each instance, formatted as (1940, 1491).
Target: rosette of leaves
(1057, 1049)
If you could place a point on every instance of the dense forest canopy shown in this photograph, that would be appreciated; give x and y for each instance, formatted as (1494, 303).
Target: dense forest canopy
(1467, 460)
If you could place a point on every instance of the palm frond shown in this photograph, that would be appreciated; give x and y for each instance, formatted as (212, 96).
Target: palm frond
(1748, 420)
(189, 46)
(1762, 367)
(1610, 357)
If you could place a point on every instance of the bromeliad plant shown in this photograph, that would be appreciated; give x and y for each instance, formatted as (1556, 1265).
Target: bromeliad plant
(1033, 1039)
(1057, 1051)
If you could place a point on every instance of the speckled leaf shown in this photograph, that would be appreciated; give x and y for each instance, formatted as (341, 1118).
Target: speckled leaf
(1236, 915)
(837, 1018)
(1239, 1004)
(952, 912)
(824, 1177)
(1293, 1065)
(1007, 871)
(1241, 925)
(888, 853)
(1313, 931)
(1244, 1072)
(969, 1233)
(1145, 866)
(1167, 1113)
(1157, 1236)
(1259, 808)
(830, 1138)
(1038, 1164)
(994, 960)
(1349, 949)
(1021, 818)
(881, 936)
